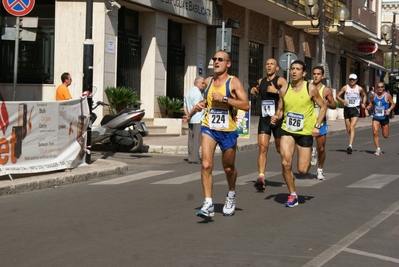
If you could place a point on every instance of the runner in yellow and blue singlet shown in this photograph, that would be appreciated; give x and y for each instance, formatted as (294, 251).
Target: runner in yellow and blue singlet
(223, 95)
(219, 117)
(319, 152)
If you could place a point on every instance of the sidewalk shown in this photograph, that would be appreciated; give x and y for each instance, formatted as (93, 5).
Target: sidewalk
(165, 145)
(178, 145)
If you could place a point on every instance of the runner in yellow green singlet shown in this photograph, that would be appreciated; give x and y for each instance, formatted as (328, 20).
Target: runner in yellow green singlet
(299, 111)
(299, 126)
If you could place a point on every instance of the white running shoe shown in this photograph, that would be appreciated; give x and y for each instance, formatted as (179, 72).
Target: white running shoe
(313, 160)
(207, 210)
(229, 206)
(378, 152)
(320, 175)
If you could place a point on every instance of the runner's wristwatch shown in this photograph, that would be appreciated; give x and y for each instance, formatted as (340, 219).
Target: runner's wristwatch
(317, 126)
(225, 98)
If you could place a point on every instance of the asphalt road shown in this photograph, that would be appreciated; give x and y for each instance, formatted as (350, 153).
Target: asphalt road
(146, 217)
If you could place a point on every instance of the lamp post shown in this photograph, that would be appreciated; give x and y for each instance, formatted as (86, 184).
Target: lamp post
(315, 11)
(388, 33)
(88, 51)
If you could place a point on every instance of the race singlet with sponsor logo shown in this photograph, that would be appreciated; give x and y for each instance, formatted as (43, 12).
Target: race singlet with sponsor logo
(218, 118)
(268, 108)
(353, 96)
(295, 121)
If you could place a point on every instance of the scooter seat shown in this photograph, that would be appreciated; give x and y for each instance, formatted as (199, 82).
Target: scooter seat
(107, 118)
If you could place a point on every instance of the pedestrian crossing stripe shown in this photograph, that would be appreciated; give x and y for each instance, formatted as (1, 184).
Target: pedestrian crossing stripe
(249, 178)
(310, 179)
(132, 177)
(186, 178)
(374, 181)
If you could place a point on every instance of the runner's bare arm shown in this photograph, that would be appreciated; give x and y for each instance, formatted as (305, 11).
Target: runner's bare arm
(241, 98)
(315, 96)
(255, 89)
(364, 97)
(280, 107)
(370, 105)
(392, 106)
(339, 96)
(330, 98)
(282, 83)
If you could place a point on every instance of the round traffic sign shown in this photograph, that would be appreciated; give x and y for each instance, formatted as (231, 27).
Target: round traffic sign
(18, 8)
(286, 59)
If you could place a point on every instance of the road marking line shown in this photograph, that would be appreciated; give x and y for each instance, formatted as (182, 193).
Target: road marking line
(311, 180)
(352, 237)
(249, 178)
(374, 181)
(362, 253)
(132, 177)
(185, 178)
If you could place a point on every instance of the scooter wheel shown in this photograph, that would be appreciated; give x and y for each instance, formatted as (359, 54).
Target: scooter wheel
(134, 148)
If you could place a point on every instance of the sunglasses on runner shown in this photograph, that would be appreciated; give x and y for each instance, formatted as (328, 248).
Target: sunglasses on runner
(220, 59)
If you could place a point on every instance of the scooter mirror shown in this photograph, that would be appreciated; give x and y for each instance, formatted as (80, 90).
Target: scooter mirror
(93, 117)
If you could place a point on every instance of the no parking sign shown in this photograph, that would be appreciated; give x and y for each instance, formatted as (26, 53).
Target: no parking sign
(18, 8)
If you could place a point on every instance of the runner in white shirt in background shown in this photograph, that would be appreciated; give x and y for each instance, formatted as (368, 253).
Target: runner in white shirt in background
(353, 98)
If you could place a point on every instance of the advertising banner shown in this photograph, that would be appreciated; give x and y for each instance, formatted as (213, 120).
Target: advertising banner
(42, 136)
(243, 123)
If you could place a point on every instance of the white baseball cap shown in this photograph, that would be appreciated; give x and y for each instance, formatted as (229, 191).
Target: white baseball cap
(353, 76)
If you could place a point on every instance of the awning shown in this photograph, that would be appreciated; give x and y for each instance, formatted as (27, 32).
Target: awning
(371, 64)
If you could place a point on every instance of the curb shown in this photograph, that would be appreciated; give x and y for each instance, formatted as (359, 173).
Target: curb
(183, 150)
(84, 173)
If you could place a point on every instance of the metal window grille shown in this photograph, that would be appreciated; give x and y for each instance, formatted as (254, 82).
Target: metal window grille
(234, 54)
(255, 72)
(329, 70)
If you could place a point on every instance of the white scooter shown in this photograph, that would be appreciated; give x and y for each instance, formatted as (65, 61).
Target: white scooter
(124, 131)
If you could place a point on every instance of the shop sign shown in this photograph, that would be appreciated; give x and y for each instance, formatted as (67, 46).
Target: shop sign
(197, 10)
(367, 47)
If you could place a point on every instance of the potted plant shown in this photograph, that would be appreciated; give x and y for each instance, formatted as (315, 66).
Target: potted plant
(122, 97)
(332, 114)
(340, 110)
(173, 106)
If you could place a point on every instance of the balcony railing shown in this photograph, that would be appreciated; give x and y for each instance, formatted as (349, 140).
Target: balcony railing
(363, 16)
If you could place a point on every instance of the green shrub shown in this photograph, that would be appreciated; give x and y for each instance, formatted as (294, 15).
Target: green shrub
(340, 104)
(171, 105)
(121, 97)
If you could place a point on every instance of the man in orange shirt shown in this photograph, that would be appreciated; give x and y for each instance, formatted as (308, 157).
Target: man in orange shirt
(62, 92)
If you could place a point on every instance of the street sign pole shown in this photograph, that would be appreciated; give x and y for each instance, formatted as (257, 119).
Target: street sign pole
(17, 9)
(288, 66)
(223, 33)
(16, 58)
(285, 61)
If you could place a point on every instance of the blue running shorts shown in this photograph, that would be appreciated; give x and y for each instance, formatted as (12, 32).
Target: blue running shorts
(225, 140)
(323, 129)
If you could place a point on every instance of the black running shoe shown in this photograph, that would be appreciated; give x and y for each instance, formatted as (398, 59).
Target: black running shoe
(260, 184)
(349, 150)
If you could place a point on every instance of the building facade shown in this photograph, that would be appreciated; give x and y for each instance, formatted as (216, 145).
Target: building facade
(158, 47)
